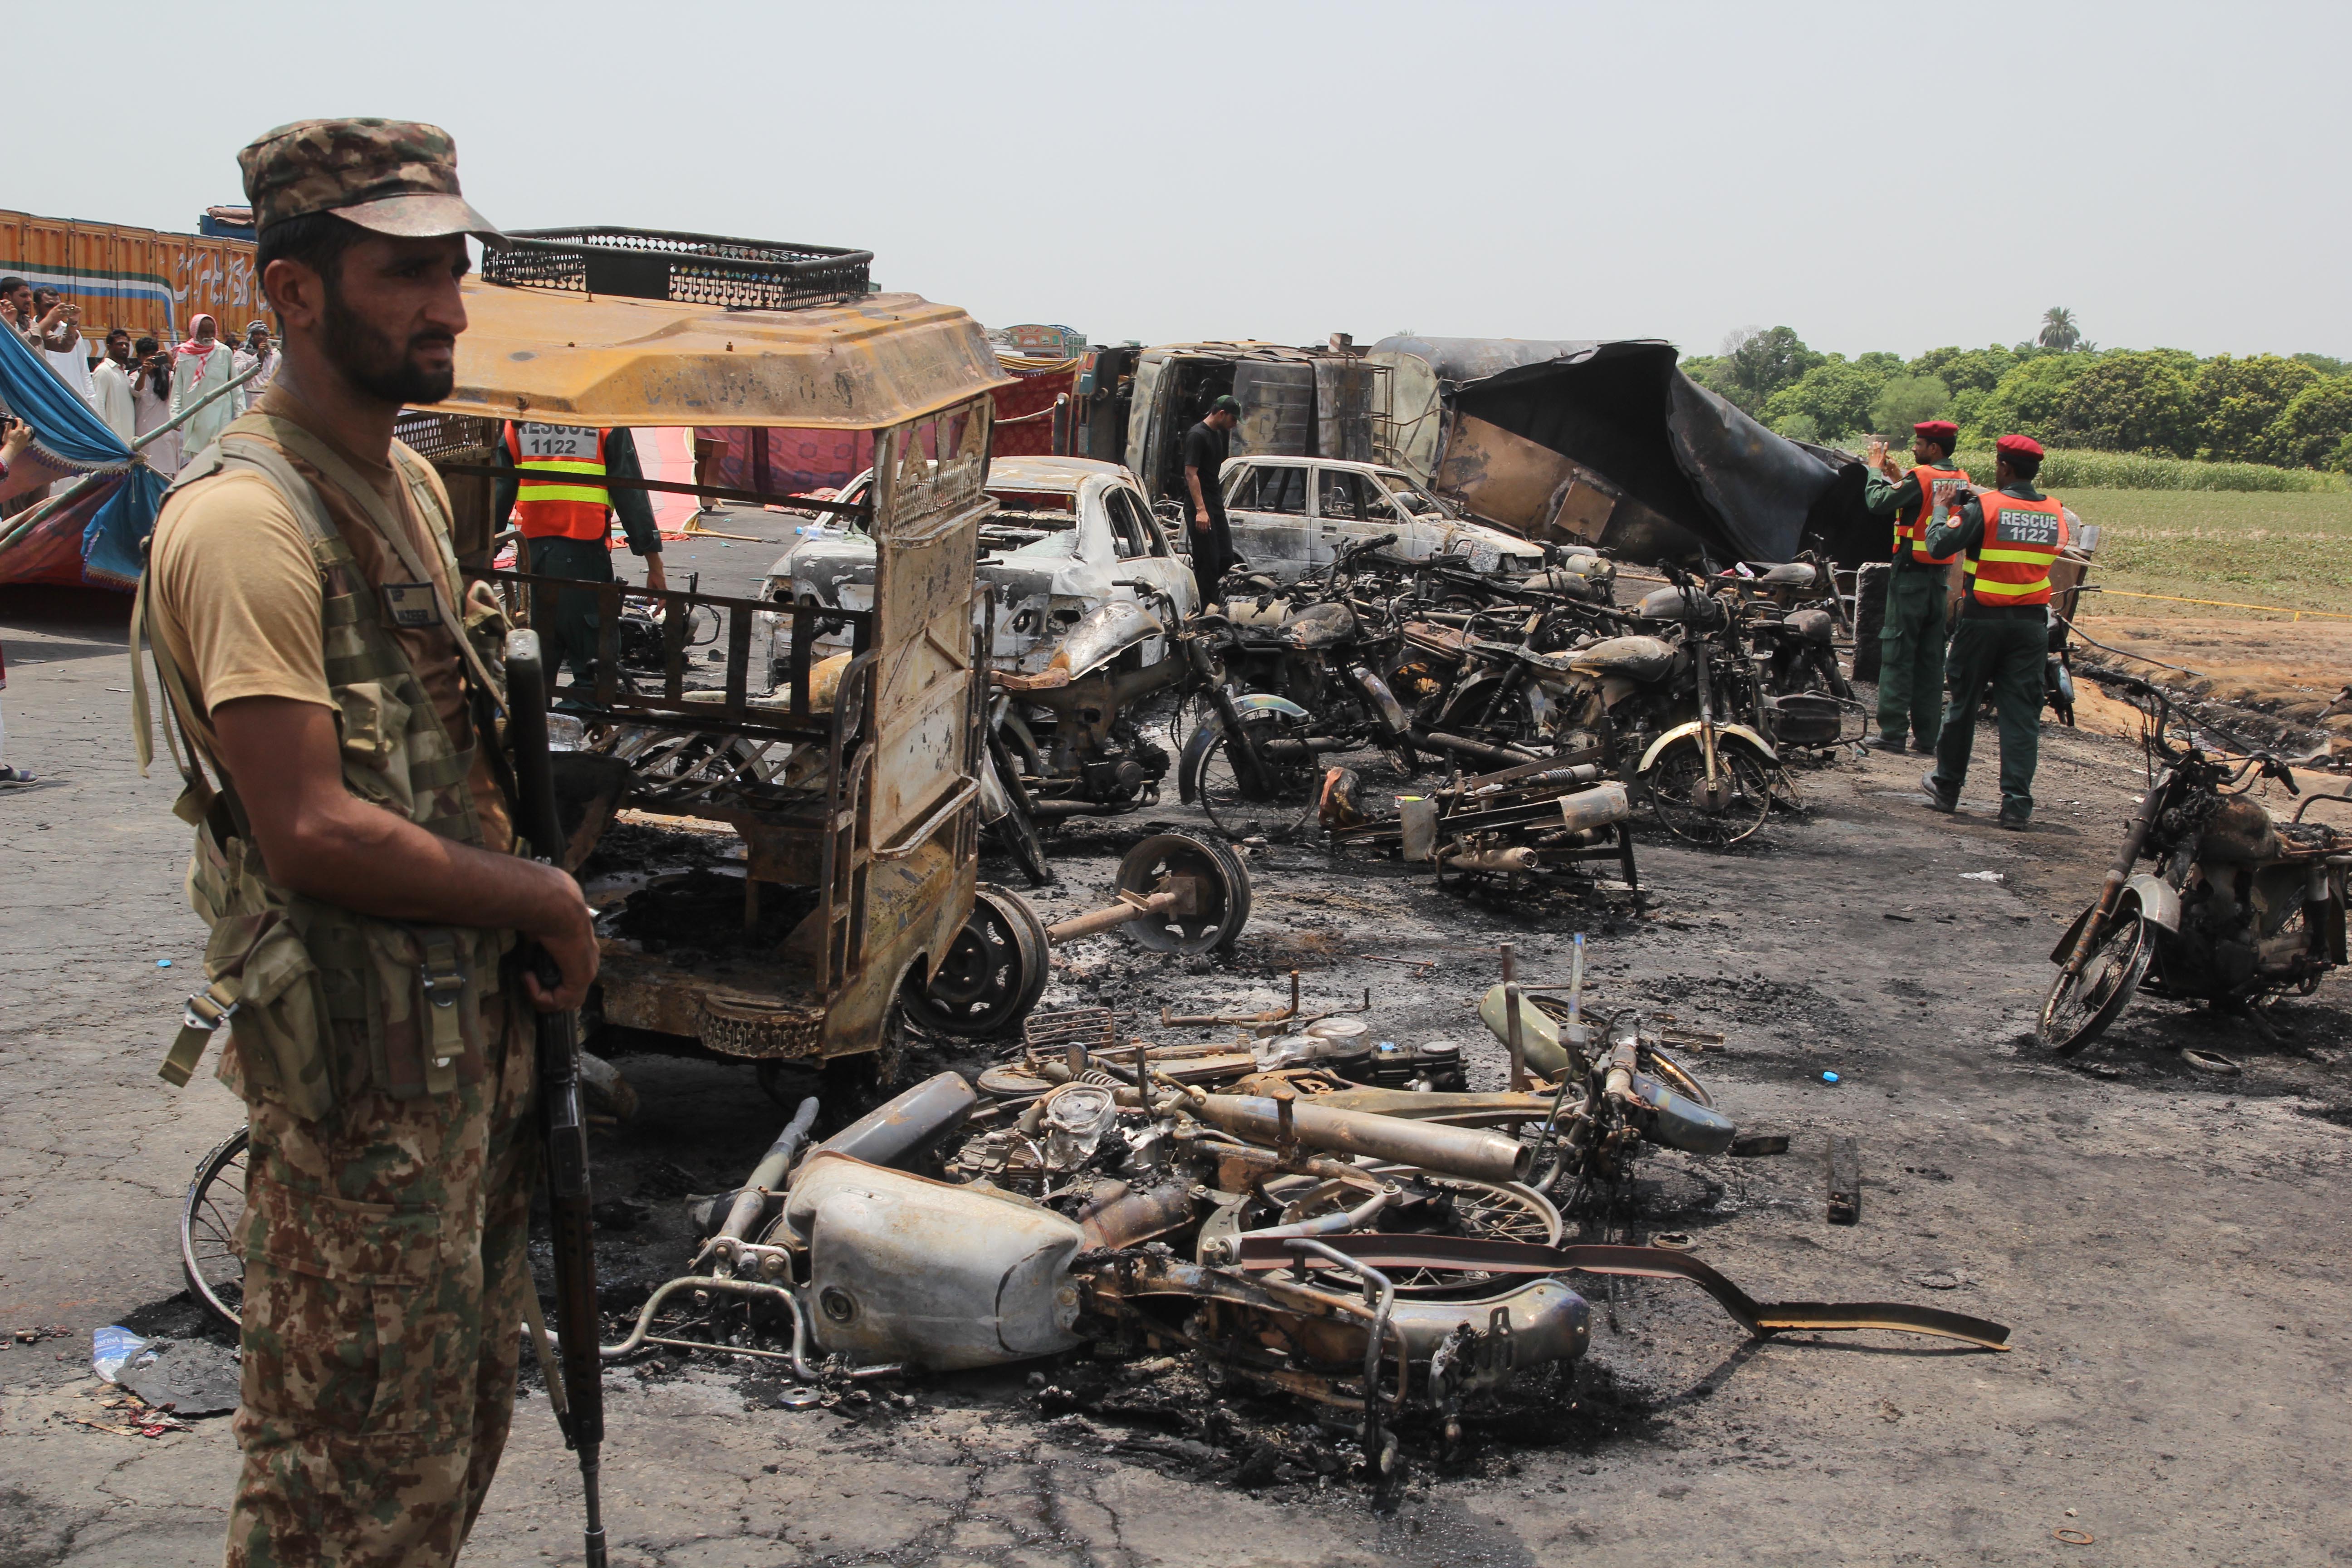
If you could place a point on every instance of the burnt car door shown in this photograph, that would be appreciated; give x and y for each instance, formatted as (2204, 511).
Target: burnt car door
(1266, 507)
(1143, 555)
(1349, 508)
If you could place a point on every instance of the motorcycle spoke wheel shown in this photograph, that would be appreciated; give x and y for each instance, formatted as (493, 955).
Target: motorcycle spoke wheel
(209, 1253)
(1674, 1076)
(1482, 1211)
(2078, 1010)
(1678, 782)
(1280, 819)
(1015, 833)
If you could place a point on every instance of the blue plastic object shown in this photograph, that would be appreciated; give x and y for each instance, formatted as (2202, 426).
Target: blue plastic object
(1829, 1078)
(162, 963)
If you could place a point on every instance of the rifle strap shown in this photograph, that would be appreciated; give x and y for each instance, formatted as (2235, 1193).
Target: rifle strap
(557, 1395)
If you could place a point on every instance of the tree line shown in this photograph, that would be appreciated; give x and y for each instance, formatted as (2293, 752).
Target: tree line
(2281, 410)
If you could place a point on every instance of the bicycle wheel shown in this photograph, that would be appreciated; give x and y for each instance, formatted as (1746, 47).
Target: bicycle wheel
(1281, 820)
(209, 1255)
(2078, 1010)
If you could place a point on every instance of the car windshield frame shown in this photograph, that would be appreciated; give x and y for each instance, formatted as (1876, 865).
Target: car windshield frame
(1407, 494)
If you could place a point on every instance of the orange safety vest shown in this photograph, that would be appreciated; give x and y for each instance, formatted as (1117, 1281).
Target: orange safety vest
(1935, 488)
(560, 471)
(2021, 538)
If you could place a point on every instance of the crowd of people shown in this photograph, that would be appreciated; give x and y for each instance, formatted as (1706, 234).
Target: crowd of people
(137, 386)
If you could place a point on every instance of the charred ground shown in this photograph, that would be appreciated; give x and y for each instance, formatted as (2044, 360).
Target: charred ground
(2167, 1245)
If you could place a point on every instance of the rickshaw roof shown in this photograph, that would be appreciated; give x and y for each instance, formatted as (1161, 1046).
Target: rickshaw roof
(605, 360)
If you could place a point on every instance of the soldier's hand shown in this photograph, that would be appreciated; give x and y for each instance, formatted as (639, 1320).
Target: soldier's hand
(567, 933)
(657, 580)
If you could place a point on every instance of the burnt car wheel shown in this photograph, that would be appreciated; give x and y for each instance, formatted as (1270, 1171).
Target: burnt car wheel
(1218, 893)
(991, 978)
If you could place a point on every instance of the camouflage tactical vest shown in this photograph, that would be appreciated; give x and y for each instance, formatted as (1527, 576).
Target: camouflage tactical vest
(324, 1002)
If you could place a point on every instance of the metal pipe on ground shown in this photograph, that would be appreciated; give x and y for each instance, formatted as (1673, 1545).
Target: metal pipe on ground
(1450, 1150)
(1119, 914)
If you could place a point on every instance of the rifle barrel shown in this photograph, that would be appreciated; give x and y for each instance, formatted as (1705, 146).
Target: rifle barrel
(562, 1127)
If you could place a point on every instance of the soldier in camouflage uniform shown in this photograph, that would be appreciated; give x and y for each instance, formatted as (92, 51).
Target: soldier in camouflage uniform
(331, 687)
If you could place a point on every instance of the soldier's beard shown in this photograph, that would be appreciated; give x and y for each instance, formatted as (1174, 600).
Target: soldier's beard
(371, 362)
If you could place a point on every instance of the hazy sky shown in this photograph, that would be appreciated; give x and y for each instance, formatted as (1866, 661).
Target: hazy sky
(1875, 176)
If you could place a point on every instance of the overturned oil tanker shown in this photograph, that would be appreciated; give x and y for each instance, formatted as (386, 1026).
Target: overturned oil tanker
(1610, 444)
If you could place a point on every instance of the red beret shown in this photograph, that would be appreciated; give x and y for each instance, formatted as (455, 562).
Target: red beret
(2023, 445)
(1940, 429)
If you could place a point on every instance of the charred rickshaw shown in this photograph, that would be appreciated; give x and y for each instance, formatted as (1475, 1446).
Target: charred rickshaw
(780, 838)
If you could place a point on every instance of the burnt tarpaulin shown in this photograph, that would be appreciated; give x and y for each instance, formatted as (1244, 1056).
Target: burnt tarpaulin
(1727, 487)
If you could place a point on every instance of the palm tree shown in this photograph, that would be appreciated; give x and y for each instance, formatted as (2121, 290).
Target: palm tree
(2058, 330)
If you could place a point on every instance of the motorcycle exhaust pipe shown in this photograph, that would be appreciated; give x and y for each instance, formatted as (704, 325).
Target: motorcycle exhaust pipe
(1056, 810)
(1450, 1150)
(1580, 773)
(1520, 859)
(1601, 807)
(1296, 748)
(1501, 756)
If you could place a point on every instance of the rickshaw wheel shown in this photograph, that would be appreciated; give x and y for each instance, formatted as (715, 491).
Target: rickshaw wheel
(208, 1227)
(1222, 892)
(991, 976)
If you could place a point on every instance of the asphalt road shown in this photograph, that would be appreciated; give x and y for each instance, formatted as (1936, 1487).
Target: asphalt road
(2168, 1247)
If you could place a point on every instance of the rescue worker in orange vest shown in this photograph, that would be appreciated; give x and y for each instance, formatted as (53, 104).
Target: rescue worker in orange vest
(2009, 537)
(557, 498)
(1911, 641)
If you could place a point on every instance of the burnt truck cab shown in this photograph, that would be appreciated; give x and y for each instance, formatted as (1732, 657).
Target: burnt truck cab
(1068, 535)
(1137, 403)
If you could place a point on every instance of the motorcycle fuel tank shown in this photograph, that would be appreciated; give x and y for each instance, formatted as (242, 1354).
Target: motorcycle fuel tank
(1637, 658)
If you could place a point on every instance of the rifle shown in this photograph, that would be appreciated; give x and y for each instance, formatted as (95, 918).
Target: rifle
(578, 1398)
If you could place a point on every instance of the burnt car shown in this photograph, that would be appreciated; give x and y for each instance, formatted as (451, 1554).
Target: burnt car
(1290, 515)
(1068, 536)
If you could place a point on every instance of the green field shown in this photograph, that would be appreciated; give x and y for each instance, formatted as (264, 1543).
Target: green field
(2289, 549)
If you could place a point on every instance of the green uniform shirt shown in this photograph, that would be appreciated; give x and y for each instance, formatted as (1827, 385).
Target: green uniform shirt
(1882, 497)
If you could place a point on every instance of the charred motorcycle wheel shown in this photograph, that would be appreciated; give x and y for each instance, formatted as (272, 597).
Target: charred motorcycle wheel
(1677, 783)
(1220, 893)
(2078, 1010)
(1015, 832)
(1283, 817)
(991, 975)
(208, 1226)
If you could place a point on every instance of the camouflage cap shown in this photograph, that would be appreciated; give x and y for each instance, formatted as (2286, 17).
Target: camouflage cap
(395, 177)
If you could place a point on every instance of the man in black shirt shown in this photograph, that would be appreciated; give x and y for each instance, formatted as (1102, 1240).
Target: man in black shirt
(1204, 457)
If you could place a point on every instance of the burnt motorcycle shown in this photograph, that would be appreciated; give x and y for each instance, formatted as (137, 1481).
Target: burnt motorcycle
(2237, 908)
(1655, 698)
(1068, 740)
(1309, 656)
